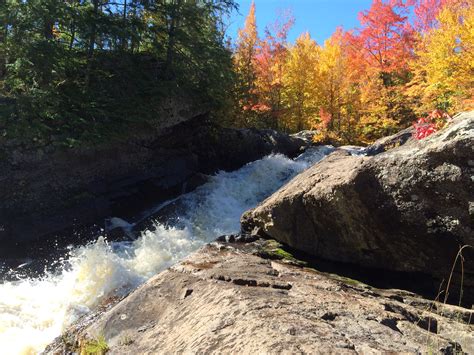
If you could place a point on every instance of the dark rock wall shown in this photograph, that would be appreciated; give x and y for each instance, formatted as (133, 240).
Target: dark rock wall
(44, 193)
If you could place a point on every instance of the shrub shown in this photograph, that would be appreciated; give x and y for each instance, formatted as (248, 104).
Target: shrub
(430, 124)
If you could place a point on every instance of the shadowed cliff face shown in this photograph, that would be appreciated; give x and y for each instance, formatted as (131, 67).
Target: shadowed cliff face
(408, 209)
(46, 194)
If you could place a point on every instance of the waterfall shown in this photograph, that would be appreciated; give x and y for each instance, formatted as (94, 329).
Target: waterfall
(33, 311)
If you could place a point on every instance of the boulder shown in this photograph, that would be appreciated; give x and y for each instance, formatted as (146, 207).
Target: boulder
(226, 299)
(386, 143)
(306, 135)
(409, 209)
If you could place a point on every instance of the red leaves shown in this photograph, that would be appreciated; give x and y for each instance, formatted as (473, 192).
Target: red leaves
(257, 108)
(270, 56)
(386, 35)
(423, 128)
(326, 118)
(430, 124)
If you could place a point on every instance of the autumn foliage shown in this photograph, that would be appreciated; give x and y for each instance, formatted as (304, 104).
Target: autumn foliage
(406, 58)
(430, 124)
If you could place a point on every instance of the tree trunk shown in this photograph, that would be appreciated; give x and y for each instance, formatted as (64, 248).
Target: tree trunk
(173, 25)
(124, 39)
(134, 43)
(92, 40)
(48, 26)
(3, 38)
(73, 35)
(93, 34)
(48, 29)
(72, 25)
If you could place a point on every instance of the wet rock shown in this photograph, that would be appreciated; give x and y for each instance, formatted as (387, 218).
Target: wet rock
(407, 209)
(239, 238)
(116, 234)
(246, 238)
(306, 135)
(194, 182)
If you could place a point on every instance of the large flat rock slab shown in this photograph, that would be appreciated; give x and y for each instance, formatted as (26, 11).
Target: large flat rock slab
(226, 299)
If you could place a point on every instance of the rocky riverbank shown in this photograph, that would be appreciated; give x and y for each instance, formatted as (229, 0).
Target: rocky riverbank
(254, 297)
(249, 293)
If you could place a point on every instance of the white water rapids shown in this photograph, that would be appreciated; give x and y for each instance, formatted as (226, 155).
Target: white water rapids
(34, 311)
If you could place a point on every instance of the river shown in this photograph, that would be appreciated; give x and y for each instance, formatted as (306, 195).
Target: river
(35, 310)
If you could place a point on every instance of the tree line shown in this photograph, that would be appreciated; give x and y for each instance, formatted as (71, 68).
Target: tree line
(81, 70)
(363, 83)
(75, 71)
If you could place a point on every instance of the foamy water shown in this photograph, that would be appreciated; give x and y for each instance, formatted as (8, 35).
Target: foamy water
(35, 311)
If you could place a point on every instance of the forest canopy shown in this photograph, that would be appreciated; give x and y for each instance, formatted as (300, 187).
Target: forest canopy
(407, 58)
(82, 69)
(86, 70)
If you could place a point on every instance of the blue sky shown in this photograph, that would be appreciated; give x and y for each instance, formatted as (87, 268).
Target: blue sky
(319, 17)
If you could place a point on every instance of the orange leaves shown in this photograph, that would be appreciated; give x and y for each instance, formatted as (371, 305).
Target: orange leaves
(248, 35)
(244, 64)
(426, 12)
(245, 47)
(257, 108)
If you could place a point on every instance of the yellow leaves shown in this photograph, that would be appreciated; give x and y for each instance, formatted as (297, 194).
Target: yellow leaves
(247, 36)
(296, 84)
(333, 71)
(331, 56)
(300, 69)
(300, 77)
(244, 65)
(246, 43)
(317, 79)
(446, 58)
(303, 55)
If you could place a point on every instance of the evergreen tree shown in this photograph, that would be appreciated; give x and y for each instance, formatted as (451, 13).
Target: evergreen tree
(80, 69)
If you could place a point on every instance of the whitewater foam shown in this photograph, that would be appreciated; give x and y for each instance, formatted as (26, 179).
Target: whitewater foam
(34, 311)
